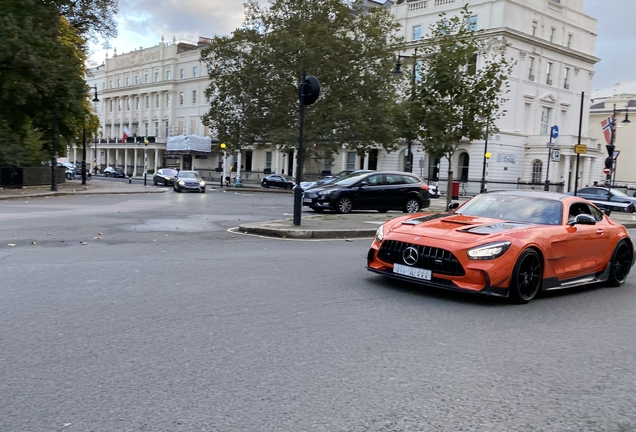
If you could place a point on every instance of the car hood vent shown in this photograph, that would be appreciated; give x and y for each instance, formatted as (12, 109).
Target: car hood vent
(422, 219)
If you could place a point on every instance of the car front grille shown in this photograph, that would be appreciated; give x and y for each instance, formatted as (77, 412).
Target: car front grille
(437, 260)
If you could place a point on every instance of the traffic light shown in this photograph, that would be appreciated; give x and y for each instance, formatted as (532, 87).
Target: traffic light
(609, 162)
(309, 89)
(610, 150)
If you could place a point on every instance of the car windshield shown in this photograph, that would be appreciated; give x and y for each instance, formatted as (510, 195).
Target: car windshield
(189, 174)
(616, 192)
(169, 172)
(350, 179)
(286, 177)
(514, 208)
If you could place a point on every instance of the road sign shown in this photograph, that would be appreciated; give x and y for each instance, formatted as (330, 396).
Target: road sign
(580, 149)
(607, 170)
(555, 132)
(556, 155)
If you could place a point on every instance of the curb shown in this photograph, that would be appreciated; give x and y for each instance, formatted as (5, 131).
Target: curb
(301, 234)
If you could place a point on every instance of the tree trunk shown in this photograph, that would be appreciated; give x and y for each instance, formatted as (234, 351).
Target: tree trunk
(449, 184)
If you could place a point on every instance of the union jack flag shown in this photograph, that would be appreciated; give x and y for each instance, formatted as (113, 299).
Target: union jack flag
(608, 128)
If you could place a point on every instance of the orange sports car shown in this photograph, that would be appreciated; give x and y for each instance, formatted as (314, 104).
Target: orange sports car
(508, 244)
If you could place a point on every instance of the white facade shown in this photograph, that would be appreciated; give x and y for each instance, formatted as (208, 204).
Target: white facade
(156, 94)
(553, 43)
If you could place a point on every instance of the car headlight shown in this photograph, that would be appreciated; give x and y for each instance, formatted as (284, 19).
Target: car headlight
(167, 178)
(488, 251)
(379, 234)
(201, 183)
(181, 183)
(322, 193)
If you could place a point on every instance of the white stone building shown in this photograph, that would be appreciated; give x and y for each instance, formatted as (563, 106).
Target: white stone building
(159, 92)
(553, 43)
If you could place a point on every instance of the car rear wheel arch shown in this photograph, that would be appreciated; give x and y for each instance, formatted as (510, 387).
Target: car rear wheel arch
(621, 262)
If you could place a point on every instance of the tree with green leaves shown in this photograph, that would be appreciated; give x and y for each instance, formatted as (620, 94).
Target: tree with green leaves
(254, 76)
(42, 70)
(463, 79)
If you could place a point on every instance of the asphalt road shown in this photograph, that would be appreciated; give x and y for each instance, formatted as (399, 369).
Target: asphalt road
(143, 313)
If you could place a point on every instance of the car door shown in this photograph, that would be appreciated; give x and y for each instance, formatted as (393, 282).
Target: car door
(395, 191)
(584, 243)
(369, 193)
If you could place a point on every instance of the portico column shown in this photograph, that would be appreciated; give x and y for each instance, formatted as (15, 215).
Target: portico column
(125, 161)
(135, 163)
(277, 161)
(366, 161)
(238, 164)
(156, 153)
(587, 181)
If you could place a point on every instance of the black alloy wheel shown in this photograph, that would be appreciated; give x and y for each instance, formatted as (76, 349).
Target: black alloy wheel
(344, 205)
(265, 184)
(526, 277)
(621, 264)
(412, 205)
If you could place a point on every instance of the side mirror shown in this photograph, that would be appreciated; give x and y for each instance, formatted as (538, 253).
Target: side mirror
(584, 219)
(452, 206)
(363, 183)
(607, 211)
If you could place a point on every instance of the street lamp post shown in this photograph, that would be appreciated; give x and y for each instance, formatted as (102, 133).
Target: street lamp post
(95, 100)
(610, 161)
(408, 163)
(485, 162)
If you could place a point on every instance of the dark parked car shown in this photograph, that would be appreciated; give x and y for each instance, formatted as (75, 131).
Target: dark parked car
(596, 194)
(114, 172)
(375, 190)
(164, 176)
(189, 181)
(278, 180)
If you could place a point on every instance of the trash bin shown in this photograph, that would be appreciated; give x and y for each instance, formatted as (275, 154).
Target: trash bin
(455, 194)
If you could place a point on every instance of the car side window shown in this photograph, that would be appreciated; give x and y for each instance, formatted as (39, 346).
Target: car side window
(373, 180)
(577, 209)
(410, 179)
(392, 179)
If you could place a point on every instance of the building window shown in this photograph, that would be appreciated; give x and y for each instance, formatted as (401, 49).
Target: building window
(472, 23)
(156, 76)
(552, 33)
(548, 74)
(182, 73)
(156, 128)
(463, 164)
(110, 104)
(168, 75)
(180, 127)
(207, 99)
(128, 104)
(137, 80)
(118, 104)
(535, 25)
(537, 167)
(566, 78)
(118, 83)
(268, 160)
(417, 32)
(167, 129)
(531, 69)
(127, 81)
(146, 129)
(137, 103)
(156, 101)
(569, 44)
(111, 83)
(546, 119)
(147, 101)
(146, 78)
(194, 97)
(195, 71)
(193, 127)
(180, 98)
(351, 160)
(167, 101)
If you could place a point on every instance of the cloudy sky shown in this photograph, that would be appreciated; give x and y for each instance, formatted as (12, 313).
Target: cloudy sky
(143, 22)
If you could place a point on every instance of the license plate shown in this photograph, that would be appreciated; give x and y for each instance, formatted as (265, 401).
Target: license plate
(414, 272)
(307, 200)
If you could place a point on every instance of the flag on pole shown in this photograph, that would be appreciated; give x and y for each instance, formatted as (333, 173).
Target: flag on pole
(127, 133)
(608, 128)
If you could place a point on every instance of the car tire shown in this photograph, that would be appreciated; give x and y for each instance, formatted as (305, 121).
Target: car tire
(344, 205)
(203, 190)
(382, 211)
(266, 185)
(318, 209)
(412, 205)
(526, 279)
(165, 182)
(620, 264)
(288, 186)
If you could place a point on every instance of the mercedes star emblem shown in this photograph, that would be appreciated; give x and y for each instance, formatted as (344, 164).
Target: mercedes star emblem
(410, 256)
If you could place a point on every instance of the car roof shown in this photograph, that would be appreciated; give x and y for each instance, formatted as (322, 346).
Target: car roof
(556, 196)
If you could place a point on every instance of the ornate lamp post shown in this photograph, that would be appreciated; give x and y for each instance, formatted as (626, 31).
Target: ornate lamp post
(408, 163)
(610, 161)
(95, 100)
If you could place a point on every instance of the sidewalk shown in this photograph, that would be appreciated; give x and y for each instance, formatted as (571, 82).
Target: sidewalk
(312, 225)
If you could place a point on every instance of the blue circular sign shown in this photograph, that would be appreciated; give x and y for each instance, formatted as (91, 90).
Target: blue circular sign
(555, 131)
